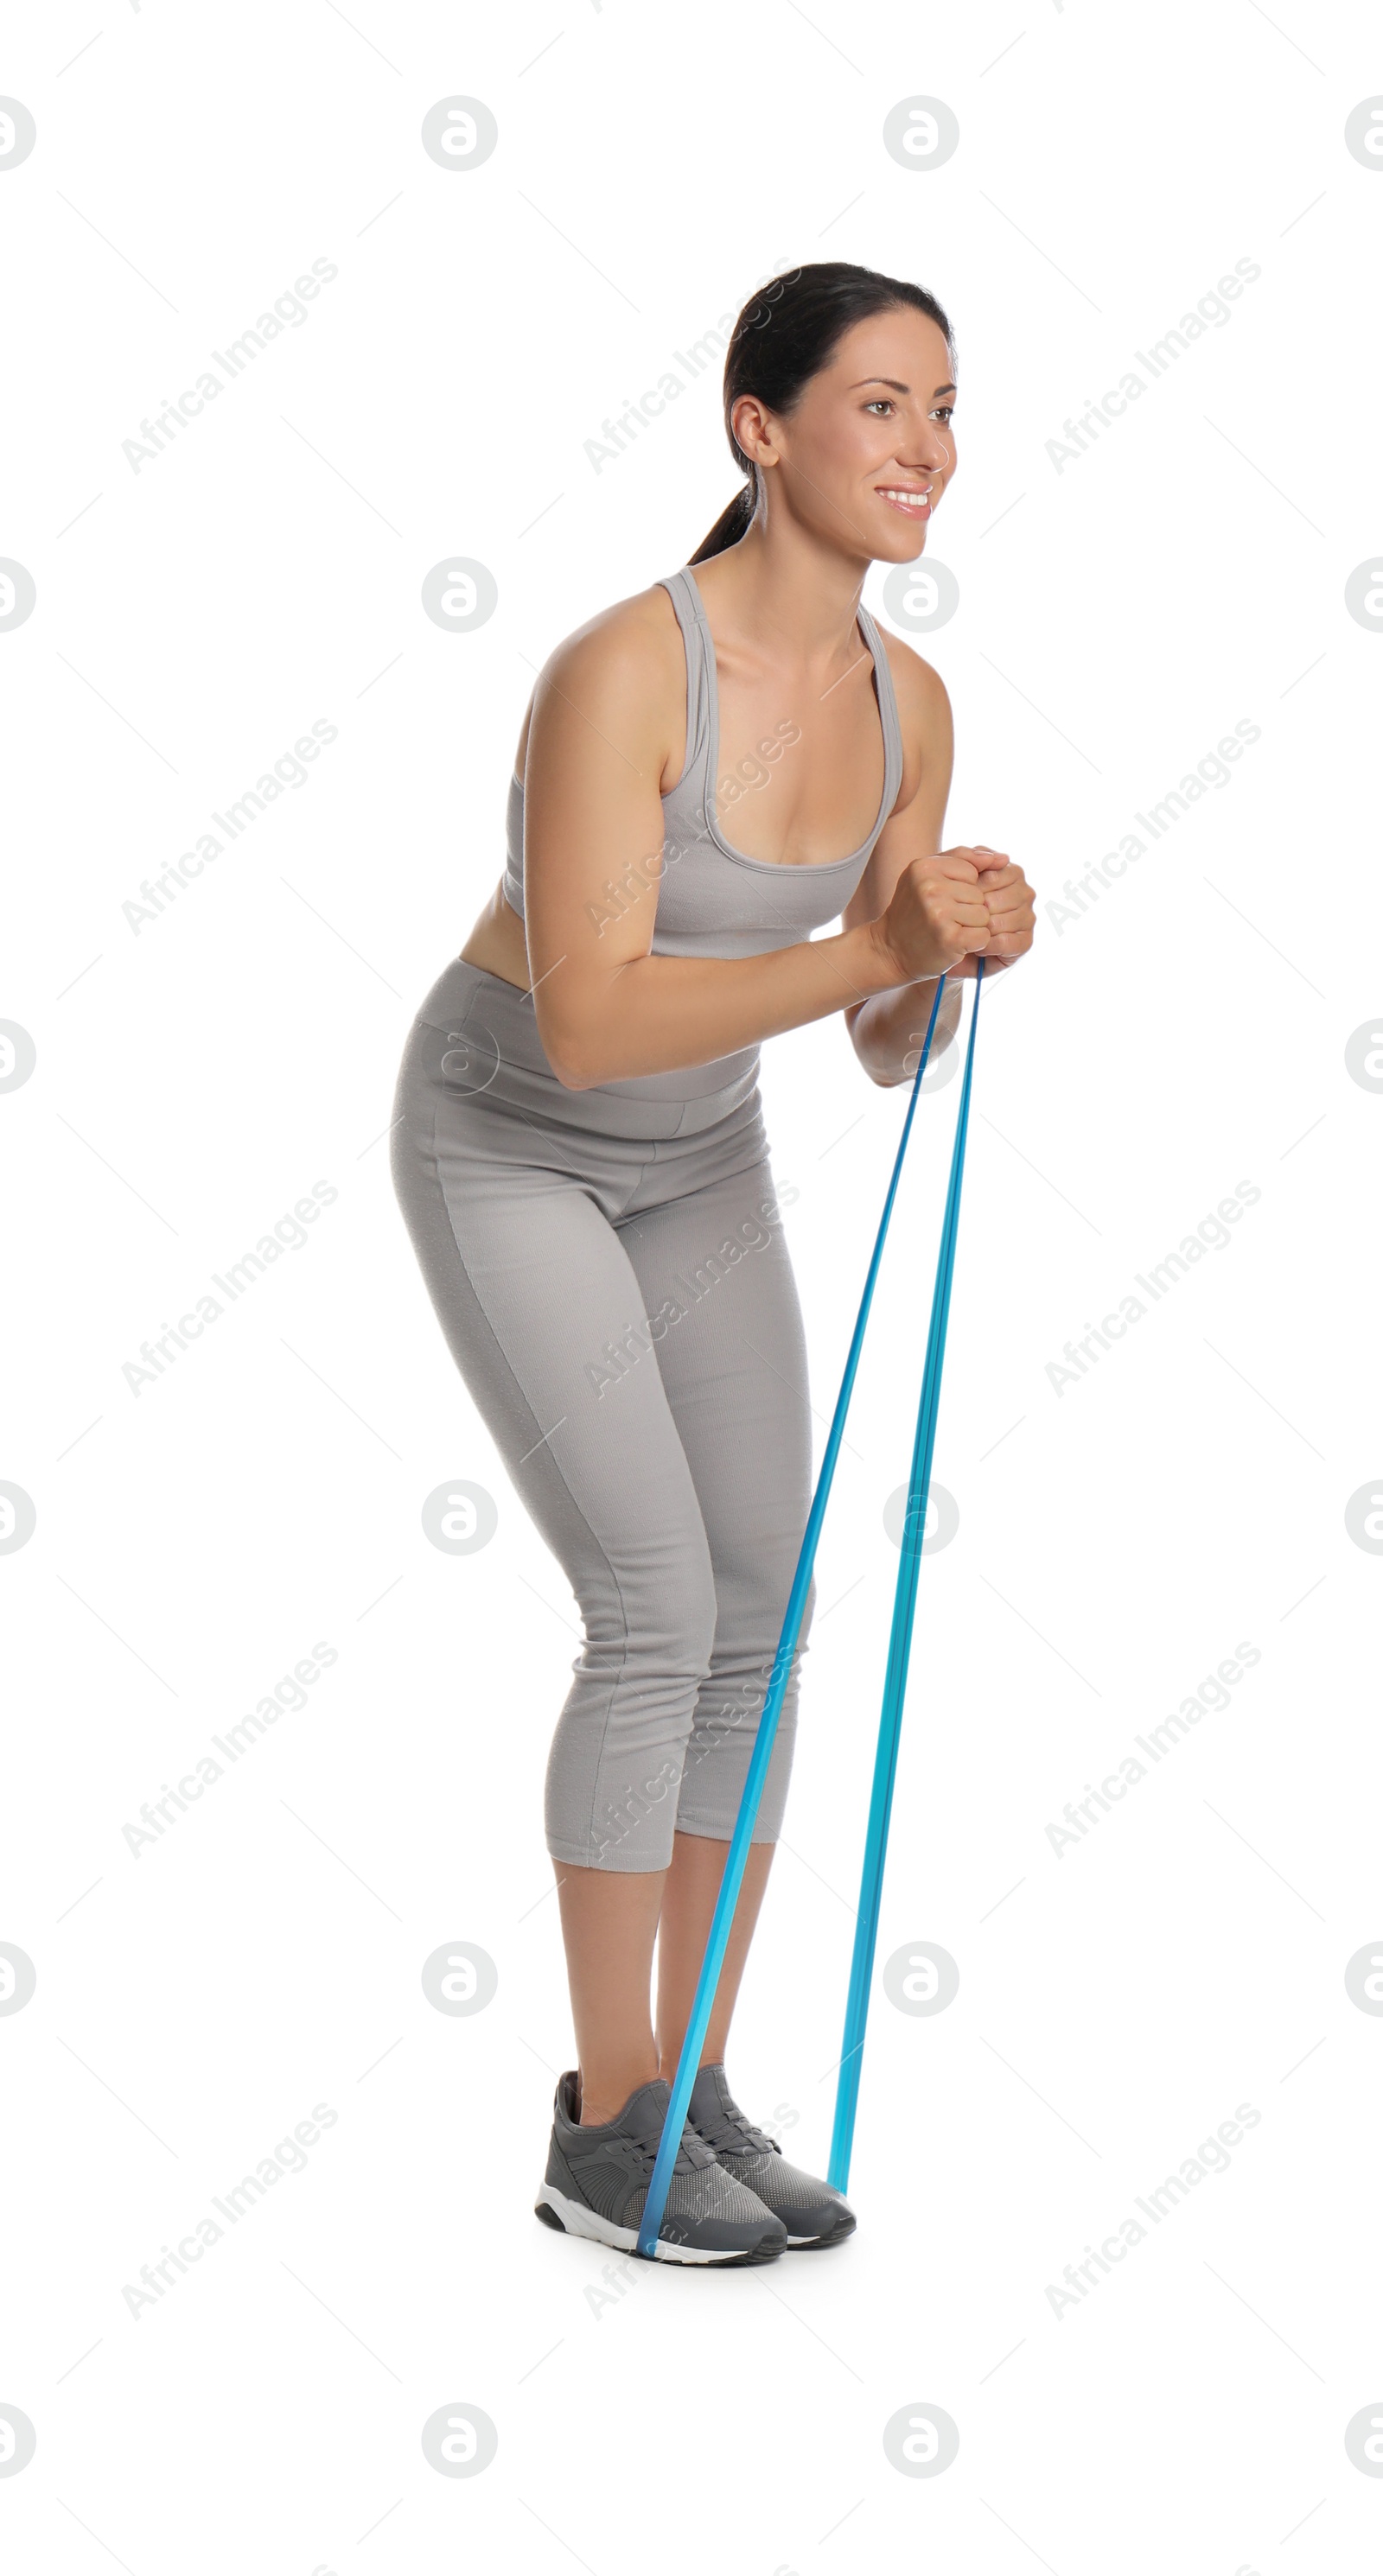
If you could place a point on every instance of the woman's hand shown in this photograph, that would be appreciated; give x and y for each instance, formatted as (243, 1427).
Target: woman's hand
(947, 910)
(937, 915)
(1009, 899)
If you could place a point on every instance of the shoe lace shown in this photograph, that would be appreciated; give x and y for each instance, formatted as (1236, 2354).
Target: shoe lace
(692, 2153)
(687, 2158)
(730, 2133)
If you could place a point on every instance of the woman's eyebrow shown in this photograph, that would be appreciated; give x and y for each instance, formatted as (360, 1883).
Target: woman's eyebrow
(894, 386)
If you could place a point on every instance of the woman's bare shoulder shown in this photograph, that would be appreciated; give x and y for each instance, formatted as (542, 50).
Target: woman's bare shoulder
(639, 619)
(924, 717)
(627, 657)
(918, 687)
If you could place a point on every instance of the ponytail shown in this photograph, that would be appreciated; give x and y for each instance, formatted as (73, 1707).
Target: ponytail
(732, 524)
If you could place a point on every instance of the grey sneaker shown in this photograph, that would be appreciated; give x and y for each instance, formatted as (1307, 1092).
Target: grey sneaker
(812, 2212)
(597, 2181)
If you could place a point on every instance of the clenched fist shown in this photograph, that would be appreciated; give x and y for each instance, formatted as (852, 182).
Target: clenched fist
(948, 910)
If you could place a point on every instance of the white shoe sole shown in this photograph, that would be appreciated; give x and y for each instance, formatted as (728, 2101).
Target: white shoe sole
(577, 2220)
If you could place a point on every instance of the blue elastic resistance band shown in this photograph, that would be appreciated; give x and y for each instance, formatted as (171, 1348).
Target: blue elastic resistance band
(899, 1648)
(738, 1853)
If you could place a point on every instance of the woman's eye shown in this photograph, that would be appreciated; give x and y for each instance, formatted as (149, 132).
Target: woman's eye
(879, 402)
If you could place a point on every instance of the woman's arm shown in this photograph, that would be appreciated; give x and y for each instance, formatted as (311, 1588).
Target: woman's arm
(902, 877)
(607, 1009)
(888, 1028)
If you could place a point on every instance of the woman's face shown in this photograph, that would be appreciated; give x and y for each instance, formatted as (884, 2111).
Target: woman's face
(869, 450)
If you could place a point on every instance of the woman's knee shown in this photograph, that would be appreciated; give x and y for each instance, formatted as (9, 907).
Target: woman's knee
(652, 1610)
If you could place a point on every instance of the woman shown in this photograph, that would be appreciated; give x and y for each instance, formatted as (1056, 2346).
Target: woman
(581, 1159)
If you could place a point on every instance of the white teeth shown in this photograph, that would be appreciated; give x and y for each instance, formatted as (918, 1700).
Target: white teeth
(910, 499)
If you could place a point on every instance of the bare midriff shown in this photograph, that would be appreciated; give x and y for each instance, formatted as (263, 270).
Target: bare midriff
(497, 944)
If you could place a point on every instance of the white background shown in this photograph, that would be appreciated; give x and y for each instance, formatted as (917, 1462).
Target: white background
(1116, 1540)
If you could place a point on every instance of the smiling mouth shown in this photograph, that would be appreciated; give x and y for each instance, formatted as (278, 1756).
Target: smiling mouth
(914, 504)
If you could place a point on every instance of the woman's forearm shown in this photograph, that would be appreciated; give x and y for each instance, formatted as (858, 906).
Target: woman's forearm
(889, 1029)
(661, 1014)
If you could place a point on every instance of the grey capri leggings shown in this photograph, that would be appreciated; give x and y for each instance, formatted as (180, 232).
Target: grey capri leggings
(622, 1308)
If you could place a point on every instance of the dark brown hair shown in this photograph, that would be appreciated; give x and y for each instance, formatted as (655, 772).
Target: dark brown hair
(787, 332)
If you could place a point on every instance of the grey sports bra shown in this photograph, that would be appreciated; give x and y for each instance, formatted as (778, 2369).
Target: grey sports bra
(712, 900)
